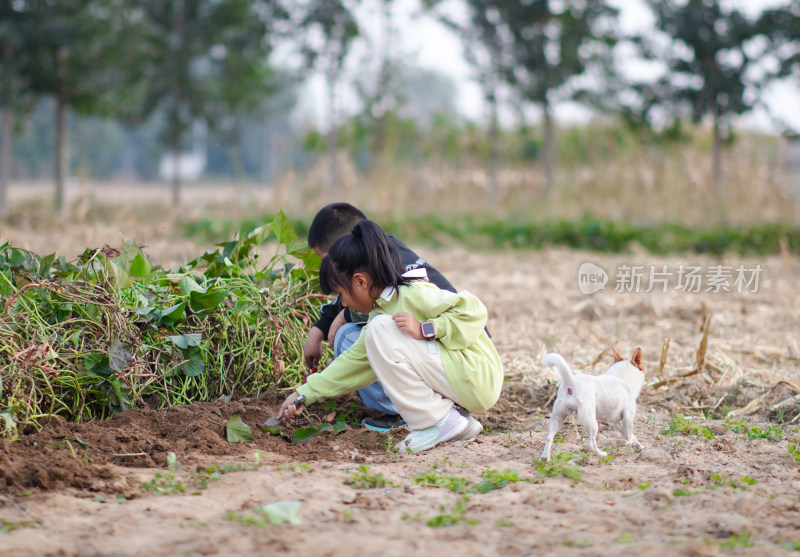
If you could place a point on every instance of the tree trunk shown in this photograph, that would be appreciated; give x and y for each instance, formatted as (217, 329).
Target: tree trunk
(5, 155)
(175, 149)
(494, 135)
(719, 140)
(549, 146)
(62, 152)
(330, 138)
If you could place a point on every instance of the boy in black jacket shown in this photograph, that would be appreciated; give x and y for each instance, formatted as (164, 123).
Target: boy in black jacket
(342, 327)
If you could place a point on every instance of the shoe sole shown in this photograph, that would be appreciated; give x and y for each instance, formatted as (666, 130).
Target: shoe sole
(380, 429)
(451, 437)
(473, 429)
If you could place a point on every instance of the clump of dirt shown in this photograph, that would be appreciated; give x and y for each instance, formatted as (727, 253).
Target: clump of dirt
(67, 454)
(518, 406)
(696, 394)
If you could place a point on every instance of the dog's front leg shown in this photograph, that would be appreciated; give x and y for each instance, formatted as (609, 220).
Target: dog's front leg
(626, 427)
(557, 418)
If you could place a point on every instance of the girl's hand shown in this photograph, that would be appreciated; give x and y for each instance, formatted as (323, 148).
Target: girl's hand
(288, 409)
(409, 324)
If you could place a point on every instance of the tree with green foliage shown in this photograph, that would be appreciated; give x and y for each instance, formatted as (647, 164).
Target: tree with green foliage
(483, 48)
(72, 50)
(328, 29)
(707, 63)
(203, 60)
(549, 44)
(781, 26)
(13, 101)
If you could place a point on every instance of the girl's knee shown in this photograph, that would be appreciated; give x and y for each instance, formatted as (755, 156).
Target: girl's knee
(380, 325)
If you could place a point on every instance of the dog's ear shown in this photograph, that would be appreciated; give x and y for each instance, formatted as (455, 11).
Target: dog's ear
(637, 359)
(617, 357)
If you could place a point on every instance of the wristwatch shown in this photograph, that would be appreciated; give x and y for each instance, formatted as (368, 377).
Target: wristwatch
(299, 401)
(428, 330)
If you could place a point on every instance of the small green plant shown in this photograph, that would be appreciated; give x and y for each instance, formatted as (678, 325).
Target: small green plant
(794, 452)
(364, 479)
(723, 481)
(493, 479)
(6, 526)
(453, 516)
(680, 492)
(166, 483)
(390, 445)
(625, 538)
(679, 425)
(437, 479)
(561, 464)
(741, 540)
(580, 543)
(772, 432)
(643, 486)
(274, 514)
(296, 467)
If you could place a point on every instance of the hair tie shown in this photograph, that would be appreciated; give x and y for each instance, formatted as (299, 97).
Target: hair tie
(357, 231)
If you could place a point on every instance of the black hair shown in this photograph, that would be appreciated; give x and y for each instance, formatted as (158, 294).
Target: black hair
(367, 249)
(331, 223)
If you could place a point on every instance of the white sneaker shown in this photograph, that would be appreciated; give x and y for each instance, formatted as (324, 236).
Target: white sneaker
(474, 427)
(451, 426)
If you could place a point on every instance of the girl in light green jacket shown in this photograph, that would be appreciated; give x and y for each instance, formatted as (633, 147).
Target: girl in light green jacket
(428, 347)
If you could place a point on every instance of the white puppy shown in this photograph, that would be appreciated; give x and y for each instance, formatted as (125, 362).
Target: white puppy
(610, 397)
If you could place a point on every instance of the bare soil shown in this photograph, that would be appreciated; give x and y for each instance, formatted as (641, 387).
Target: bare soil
(720, 487)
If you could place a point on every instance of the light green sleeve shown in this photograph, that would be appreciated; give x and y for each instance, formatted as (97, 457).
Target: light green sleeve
(347, 373)
(459, 319)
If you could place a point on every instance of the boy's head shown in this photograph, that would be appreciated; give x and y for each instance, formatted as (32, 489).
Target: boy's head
(331, 223)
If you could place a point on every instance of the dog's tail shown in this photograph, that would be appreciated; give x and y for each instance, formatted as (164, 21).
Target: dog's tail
(557, 361)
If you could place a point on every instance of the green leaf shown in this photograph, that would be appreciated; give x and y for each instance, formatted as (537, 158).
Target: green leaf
(141, 267)
(339, 427)
(171, 315)
(275, 431)
(306, 433)
(189, 285)
(237, 430)
(185, 341)
(97, 364)
(195, 365)
(282, 511)
(205, 301)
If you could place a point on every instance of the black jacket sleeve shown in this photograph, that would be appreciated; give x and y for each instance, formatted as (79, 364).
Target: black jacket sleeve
(328, 313)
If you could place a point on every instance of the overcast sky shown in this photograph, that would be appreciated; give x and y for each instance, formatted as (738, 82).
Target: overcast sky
(426, 43)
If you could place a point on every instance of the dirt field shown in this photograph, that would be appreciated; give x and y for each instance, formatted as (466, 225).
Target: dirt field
(726, 484)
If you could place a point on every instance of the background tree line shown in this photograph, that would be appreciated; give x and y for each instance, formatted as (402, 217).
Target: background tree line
(143, 77)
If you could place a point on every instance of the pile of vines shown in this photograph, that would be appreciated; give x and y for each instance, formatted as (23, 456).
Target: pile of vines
(92, 337)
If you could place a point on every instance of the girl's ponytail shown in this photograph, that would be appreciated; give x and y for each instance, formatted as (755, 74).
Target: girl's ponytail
(367, 249)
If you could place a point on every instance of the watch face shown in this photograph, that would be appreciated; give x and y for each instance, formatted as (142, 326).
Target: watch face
(428, 329)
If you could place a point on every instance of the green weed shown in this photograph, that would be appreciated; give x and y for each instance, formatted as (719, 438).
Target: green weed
(772, 432)
(794, 452)
(723, 481)
(6, 526)
(272, 514)
(679, 425)
(580, 543)
(296, 467)
(364, 479)
(561, 464)
(493, 479)
(437, 479)
(452, 516)
(741, 540)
